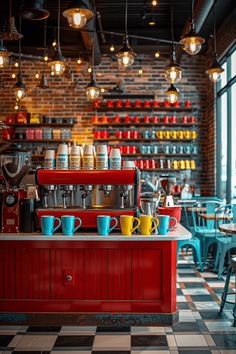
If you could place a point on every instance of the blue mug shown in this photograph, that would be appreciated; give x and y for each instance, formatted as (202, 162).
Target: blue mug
(68, 224)
(164, 222)
(104, 224)
(47, 224)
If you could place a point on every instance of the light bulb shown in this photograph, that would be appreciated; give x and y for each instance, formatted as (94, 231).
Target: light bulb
(92, 92)
(112, 48)
(102, 90)
(54, 43)
(126, 59)
(57, 68)
(4, 59)
(19, 93)
(77, 17)
(172, 98)
(192, 43)
(157, 54)
(214, 76)
(45, 58)
(173, 73)
(79, 61)
(154, 3)
(13, 75)
(89, 70)
(16, 106)
(16, 65)
(215, 70)
(37, 76)
(140, 71)
(172, 94)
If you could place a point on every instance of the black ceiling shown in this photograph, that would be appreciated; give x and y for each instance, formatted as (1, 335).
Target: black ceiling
(112, 19)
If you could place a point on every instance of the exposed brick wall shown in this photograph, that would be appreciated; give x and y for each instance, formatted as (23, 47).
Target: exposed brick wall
(66, 98)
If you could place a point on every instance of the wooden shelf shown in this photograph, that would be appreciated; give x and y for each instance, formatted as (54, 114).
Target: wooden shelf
(143, 109)
(143, 140)
(169, 125)
(41, 125)
(24, 141)
(168, 169)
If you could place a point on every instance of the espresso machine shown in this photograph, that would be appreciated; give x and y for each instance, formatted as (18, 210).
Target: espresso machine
(167, 184)
(88, 193)
(15, 164)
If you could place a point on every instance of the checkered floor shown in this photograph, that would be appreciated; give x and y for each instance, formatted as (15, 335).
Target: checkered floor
(200, 329)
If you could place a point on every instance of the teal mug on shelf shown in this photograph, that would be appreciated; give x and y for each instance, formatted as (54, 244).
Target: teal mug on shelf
(104, 224)
(164, 224)
(68, 224)
(47, 224)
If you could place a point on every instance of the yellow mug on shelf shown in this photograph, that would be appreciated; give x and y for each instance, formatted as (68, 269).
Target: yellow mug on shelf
(187, 164)
(167, 134)
(127, 224)
(173, 134)
(181, 164)
(174, 164)
(159, 134)
(146, 222)
(193, 164)
(180, 134)
(187, 134)
(194, 135)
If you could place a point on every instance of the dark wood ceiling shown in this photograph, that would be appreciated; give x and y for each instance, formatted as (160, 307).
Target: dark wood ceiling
(112, 19)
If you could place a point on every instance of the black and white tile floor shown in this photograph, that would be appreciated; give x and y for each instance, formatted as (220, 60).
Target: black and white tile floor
(200, 329)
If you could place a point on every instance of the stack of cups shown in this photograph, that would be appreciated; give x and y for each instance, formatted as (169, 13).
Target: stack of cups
(49, 160)
(128, 165)
(115, 159)
(75, 157)
(62, 157)
(88, 157)
(102, 157)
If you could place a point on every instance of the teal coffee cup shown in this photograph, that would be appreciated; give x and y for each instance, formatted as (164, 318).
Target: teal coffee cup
(164, 224)
(47, 224)
(104, 224)
(68, 224)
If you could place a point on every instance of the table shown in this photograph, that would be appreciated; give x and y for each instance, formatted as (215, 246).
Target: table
(215, 216)
(228, 228)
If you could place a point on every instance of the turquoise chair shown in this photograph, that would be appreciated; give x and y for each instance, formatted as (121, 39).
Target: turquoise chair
(205, 230)
(225, 242)
(195, 244)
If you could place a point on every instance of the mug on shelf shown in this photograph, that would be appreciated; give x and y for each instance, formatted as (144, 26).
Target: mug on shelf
(104, 119)
(127, 224)
(187, 134)
(164, 224)
(193, 135)
(184, 119)
(136, 119)
(181, 164)
(165, 119)
(104, 224)
(155, 119)
(146, 119)
(68, 224)
(187, 149)
(180, 134)
(174, 164)
(148, 224)
(173, 134)
(187, 103)
(187, 164)
(47, 224)
(116, 119)
(166, 134)
(118, 134)
(173, 119)
(146, 134)
(193, 164)
(192, 119)
(126, 134)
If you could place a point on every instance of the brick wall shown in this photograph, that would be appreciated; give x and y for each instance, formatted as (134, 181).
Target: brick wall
(66, 98)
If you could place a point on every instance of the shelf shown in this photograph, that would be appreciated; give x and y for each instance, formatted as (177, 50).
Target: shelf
(169, 125)
(24, 141)
(143, 109)
(143, 140)
(168, 169)
(41, 125)
(159, 155)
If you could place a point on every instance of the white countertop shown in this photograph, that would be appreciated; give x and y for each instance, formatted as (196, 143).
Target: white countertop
(180, 233)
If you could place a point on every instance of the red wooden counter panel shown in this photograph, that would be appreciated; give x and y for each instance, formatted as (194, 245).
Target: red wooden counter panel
(109, 276)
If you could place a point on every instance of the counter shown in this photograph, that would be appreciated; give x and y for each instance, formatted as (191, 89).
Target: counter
(89, 279)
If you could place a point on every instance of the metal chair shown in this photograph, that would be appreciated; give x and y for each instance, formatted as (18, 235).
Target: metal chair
(195, 244)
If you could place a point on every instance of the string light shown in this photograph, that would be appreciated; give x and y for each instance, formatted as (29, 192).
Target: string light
(140, 71)
(13, 75)
(37, 76)
(157, 54)
(89, 69)
(112, 48)
(154, 3)
(79, 61)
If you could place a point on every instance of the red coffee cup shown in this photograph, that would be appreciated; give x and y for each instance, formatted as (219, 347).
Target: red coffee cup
(119, 104)
(134, 134)
(133, 149)
(174, 211)
(95, 119)
(97, 134)
(166, 104)
(104, 119)
(126, 134)
(116, 119)
(146, 119)
(184, 119)
(140, 164)
(177, 189)
(110, 103)
(173, 119)
(146, 163)
(155, 104)
(165, 119)
(138, 104)
(127, 119)
(128, 104)
(97, 104)
(155, 119)
(177, 104)
(118, 134)
(104, 134)
(188, 103)
(136, 119)
(147, 104)
(152, 164)
(192, 119)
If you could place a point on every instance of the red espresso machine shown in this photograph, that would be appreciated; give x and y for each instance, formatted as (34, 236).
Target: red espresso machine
(88, 193)
(15, 164)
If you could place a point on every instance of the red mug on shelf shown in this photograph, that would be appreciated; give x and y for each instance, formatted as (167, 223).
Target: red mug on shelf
(97, 104)
(155, 104)
(128, 104)
(133, 149)
(134, 134)
(95, 119)
(127, 119)
(166, 104)
(184, 119)
(147, 104)
(140, 164)
(188, 104)
(165, 119)
(147, 164)
(116, 119)
(104, 134)
(97, 134)
(118, 134)
(126, 149)
(152, 164)
(110, 103)
(138, 104)
(155, 119)
(173, 119)
(192, 119)
(146, 119)
(119, 104)
(177, 104)
(136, 119)
(126, 134)
(104, 119)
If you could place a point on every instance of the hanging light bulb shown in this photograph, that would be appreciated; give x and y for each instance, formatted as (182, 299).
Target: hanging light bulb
(79, 61)
(173, 71)
(172, 94)
(37, 75)
(126, 55)
(152, 21)
(4, 56)
(112, 48)
(57, 63)
(19, 89)
(54, 43)
(16, 64)
(157, 54)
(140, 71)
(78, 14)
(102, 90)
(92, 90)
(90, 69)
(215, 69)
(154, 2)
(16, 106)
(192, 42)
(13, 75)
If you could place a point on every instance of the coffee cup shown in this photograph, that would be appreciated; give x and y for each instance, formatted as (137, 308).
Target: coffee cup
(193, 135)
(88, 157)
(47, 224)
(62, 157)
(165, 119)
(49, 160)
(146, 134)
(159, 134)
(187, 103)
(193, 164)
(192, 119)
(187, 134)
(146, 224)
(104, 224)
(115, 159)
(102, 157)
(180, 134)
(127, 224)
(174, 164)
(184, 119)
(173, 134)
(181, 164)
(75, 157)
(166, 134)
(164, 224)
(187, 149)
(187, 164)
(68, 224)
(128, 165)
(173, 119)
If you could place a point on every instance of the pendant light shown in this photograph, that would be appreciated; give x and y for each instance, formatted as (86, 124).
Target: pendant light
(126, 55)
(4, 56)
(9, 31)
(92, 90)
(173, 71)
(19, 88)
(78, 14)
(215, 69)
(33, 10)
(192, 42)
(57, 63)
(172, 94)
(43, 80)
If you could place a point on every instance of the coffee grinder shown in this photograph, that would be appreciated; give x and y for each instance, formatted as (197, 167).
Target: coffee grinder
(167, 184)
(15, 164)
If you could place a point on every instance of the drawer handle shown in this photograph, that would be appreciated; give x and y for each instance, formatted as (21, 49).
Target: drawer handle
(68, 277)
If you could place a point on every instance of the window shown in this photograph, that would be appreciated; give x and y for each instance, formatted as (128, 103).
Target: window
(226, 129)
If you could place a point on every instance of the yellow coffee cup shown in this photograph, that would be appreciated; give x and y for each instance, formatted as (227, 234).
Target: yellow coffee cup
(174, 164)
(159, 134)
(187, 134)
(146, 222)
(167, 134)
(181, 164)
(180, 134)
(173, 134)
(187, 164)
(194, 135)
(127, 224)
(193, 164)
